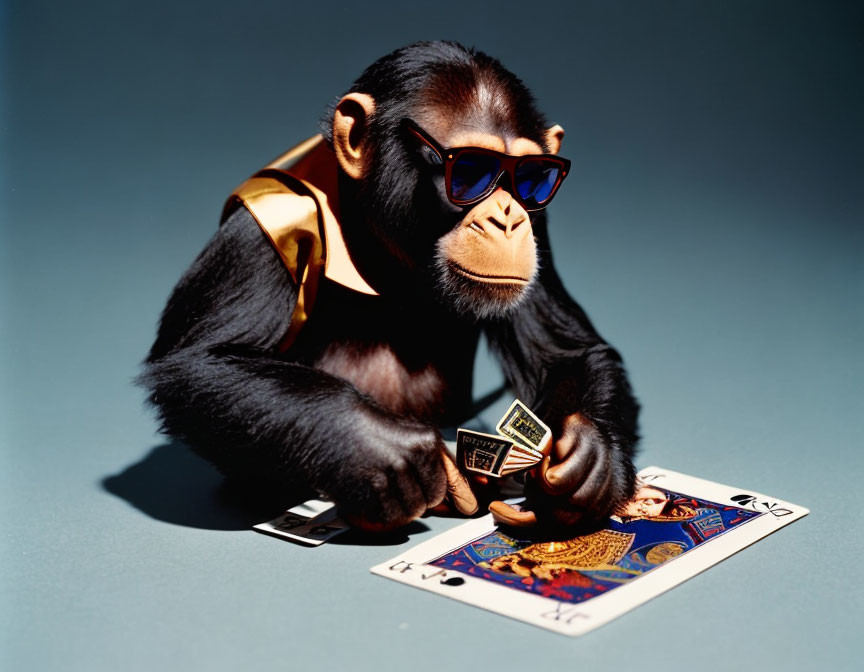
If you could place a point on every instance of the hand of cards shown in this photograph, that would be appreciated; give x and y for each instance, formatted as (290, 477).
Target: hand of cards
(522, 443)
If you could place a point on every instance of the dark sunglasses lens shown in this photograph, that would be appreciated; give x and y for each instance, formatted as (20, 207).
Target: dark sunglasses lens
(472, 174)
(535, 180)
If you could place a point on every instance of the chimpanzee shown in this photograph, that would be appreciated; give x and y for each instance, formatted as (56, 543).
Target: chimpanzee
(330, 325)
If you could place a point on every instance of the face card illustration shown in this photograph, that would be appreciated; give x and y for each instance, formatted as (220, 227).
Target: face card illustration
(674, 527)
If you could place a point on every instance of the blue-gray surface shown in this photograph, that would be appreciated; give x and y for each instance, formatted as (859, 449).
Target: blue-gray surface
(712, 227)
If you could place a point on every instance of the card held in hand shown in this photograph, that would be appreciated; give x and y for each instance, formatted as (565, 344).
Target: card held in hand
(522, 443)
(482, 453)
(674, 527)
(524, 427)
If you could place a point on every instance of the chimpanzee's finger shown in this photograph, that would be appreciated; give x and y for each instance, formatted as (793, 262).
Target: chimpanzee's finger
(566, 477)
(595, 486)
(504, 514)
(458, 489)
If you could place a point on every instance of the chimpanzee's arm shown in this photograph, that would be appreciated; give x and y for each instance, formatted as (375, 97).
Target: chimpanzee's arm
(553, 357)
(220, 384)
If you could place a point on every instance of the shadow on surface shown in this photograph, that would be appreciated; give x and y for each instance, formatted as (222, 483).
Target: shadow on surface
(360, 538)
(174, 485)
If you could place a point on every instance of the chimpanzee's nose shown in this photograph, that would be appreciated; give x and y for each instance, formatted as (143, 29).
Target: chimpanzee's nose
(495, 241)
(503, 212)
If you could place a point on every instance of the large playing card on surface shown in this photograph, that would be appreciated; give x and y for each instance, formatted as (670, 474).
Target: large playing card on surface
(675, 527)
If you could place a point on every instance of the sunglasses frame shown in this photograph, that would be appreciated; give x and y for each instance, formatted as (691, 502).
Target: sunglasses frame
(509, 163)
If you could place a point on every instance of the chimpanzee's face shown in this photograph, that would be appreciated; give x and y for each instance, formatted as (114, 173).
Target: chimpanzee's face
(485, 259)
(457, 222)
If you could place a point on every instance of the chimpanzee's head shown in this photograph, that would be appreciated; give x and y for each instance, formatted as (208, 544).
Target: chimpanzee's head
(445, 160)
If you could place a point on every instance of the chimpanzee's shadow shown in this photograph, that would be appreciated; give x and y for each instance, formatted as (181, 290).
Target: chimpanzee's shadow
(171, 483)
(174, 485)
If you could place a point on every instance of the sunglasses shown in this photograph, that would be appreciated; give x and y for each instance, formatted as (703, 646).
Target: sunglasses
(472, 173)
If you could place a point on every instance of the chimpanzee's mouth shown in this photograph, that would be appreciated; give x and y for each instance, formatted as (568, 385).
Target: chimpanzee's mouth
(493, 279)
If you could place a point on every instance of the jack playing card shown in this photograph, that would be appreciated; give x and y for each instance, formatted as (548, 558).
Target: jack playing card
(675, 527)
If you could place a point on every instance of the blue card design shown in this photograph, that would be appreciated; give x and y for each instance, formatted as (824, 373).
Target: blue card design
(675, 527)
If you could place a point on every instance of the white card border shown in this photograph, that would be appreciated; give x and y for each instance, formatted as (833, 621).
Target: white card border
(577, 619)
(317, 512)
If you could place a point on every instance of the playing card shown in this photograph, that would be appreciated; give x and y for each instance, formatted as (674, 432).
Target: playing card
(521, 425)
(483, 453)
(675, 527)
(514, 458)
(312, 522)
(492, 455)
(520, 446)
(526, 453)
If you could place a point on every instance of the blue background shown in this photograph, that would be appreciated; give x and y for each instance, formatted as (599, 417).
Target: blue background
(711, 226)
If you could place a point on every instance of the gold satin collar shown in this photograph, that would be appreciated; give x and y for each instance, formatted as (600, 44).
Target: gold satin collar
(314, 165)
(295, 201)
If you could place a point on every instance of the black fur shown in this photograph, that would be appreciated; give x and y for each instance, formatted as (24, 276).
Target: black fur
(220, 384)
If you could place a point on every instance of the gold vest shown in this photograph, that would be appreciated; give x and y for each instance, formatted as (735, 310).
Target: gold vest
(295, 201)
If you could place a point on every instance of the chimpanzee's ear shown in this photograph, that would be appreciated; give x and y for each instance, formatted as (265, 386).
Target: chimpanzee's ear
(554, 136)
(351, 132)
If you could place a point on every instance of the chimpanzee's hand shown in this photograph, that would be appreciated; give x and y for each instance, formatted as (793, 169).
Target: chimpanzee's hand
(582, 480)
(391, 470)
